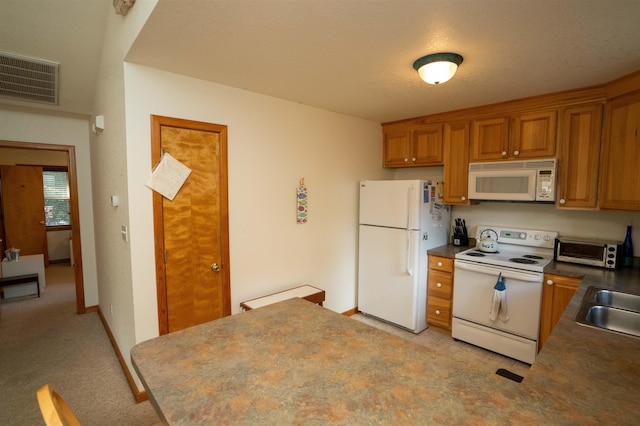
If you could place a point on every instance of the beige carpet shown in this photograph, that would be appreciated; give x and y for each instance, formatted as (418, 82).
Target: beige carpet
(43, 340)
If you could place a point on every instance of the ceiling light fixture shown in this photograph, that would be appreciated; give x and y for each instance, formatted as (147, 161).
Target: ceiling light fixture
(438, 67)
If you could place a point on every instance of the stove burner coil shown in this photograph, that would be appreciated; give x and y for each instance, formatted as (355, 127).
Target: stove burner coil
(533, 256)
(476, 254)
(523, 261)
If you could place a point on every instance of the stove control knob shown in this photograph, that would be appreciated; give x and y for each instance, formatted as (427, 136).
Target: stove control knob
(546, 237)
(538, 236)
(523, 236)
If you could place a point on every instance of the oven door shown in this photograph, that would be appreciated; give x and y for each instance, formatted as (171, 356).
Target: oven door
(473, 297)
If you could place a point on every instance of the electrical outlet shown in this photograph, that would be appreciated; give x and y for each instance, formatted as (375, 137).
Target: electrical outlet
(111, 309)
(124, 232)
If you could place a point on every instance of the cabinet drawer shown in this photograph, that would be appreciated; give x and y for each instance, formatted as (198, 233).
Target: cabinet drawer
(440, 264)
(439, 312)
(440, 284)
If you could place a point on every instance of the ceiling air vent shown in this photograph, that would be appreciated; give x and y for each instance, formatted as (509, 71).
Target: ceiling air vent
(28, 79)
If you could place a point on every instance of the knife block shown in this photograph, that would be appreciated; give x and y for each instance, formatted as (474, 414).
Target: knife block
(460, 240)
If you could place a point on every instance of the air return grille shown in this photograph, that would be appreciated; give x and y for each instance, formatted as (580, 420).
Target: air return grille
(28, 79)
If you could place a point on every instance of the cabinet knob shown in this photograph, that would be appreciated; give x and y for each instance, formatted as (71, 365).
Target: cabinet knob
(413, 159)
(406, 160)
(437, 311)
(504, 153)
(516, 153)
(463, 198)
(549, 282)
(439, 263)
(562, 201)
(438, 285)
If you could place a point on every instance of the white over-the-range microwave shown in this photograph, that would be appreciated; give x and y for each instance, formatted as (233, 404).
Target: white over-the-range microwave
(528, 180)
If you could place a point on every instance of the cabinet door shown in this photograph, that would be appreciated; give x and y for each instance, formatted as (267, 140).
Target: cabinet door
(557, 292)
(489, 139)
(533, 135)
(440, 285)
(619, 189)
(426, 147)
(439, 312)
(397, 147)
(579, 157)
(456, 163)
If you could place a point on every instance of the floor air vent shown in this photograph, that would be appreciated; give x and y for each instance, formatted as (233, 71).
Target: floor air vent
(28, 79)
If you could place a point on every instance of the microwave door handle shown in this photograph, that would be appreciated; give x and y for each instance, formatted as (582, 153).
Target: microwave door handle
(520, 276)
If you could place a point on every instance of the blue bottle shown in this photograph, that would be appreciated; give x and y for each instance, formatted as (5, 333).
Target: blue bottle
(627, 249)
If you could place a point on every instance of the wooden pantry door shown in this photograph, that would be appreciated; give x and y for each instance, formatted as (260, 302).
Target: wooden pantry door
(191, 232)
(23, 205)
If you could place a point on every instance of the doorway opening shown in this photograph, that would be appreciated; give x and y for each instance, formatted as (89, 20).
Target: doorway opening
(76, 247)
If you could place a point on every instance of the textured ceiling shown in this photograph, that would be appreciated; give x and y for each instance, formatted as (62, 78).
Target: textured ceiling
(350, 56)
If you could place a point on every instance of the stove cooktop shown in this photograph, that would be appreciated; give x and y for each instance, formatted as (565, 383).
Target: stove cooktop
(514, 259)
(525, 249)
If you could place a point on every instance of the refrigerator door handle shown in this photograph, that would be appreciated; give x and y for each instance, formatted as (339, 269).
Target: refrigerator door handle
(409, 255)
(410, 207)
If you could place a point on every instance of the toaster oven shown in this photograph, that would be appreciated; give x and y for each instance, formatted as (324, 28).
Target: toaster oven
(600, 253)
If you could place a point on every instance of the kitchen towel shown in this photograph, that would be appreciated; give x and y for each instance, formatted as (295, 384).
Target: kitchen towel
(499, 302)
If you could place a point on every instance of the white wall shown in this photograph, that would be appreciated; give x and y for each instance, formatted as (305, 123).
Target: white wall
(19, 124)
(272, 144)
(574, 223)
(58, 245)
(109, 171)
(607, 225)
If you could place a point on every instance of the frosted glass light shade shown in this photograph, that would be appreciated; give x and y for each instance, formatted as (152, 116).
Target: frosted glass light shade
(438, 67)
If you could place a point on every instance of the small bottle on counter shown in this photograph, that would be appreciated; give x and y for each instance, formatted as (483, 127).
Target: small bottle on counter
(627, 249)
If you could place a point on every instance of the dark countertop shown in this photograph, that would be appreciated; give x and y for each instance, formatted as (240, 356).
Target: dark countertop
(584, 374)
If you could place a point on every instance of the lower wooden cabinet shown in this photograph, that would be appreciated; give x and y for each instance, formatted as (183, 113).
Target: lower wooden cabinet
(557, 292)
(440, 291)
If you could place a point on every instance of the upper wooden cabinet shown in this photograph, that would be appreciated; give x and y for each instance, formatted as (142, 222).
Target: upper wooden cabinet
(619, 188)
(489, 139)
(456, 163)
(579, 157)
(412, 146)
(522, 136)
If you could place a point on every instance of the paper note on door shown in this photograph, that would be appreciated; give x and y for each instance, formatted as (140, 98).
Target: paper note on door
(168, 176)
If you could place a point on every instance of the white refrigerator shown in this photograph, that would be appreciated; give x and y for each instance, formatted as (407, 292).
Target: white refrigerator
(399, 221)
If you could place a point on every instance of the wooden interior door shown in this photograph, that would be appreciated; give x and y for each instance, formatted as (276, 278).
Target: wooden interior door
(23, 205)
(191, 231)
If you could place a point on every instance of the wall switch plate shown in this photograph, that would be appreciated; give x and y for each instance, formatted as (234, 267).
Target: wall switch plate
(124, 232)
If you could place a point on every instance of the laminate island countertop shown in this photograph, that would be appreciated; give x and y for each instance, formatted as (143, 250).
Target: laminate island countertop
(294, 362)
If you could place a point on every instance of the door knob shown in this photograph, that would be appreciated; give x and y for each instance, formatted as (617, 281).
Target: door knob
(42, 222)
(215, 267)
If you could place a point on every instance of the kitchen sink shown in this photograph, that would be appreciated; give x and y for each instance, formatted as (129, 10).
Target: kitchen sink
(617, 299)
(611, 310)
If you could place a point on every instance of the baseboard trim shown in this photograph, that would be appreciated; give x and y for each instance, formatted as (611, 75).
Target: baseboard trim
(350, 312)
(140, 396)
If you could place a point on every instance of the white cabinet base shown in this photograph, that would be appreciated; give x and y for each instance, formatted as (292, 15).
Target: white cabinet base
(30, 264)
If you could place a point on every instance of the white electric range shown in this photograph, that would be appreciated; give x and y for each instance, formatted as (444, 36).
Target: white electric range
(519, 261)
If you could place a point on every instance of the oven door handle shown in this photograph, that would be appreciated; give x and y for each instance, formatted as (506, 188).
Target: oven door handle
(495, 270)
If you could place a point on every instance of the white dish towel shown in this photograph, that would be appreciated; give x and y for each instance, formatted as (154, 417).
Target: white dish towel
(499, 303)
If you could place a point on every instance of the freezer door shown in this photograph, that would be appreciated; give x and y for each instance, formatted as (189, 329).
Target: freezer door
(388, 275)
(391, 203)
